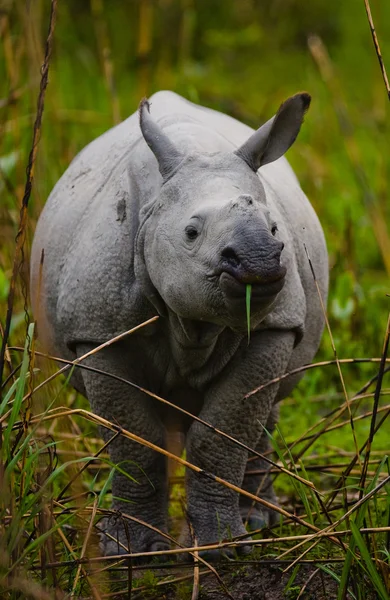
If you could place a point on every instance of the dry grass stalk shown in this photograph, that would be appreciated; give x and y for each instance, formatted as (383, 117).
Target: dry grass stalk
(323, 363)
(21, 235)
(83, 552)
(94, 351)
(375, 407)
(195, 586)
(329, 330)
(104, 47)
(370, 200)
(307, 582)
(178, 408)
(330, 528)
(83, 570)
(55, 413)
(220, 545)
(377, 47)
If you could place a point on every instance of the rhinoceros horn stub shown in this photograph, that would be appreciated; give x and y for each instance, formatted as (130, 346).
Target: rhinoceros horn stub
(166, 153)
(276, 136)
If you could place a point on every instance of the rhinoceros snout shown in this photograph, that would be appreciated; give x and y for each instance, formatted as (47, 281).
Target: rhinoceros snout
(254, 265)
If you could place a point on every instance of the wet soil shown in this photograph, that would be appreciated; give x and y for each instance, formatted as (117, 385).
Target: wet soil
(268, 582)
(251, 581)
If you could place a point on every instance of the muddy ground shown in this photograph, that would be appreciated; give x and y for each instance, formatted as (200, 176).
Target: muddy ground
(267, 582)
(251, 582)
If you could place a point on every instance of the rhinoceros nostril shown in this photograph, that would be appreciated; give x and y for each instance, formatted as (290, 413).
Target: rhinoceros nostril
(245, 198)
(230, 256)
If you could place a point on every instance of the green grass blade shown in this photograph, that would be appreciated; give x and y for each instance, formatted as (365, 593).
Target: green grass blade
(291, 580)
(105, 488)
(8, 396)
(374, 575)
(359, 518)
(329, 571)
(36, 544)
(313, 496)
(19, 393)
(298, 486)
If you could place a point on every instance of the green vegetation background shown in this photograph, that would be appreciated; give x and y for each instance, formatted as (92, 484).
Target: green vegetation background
(242, 57)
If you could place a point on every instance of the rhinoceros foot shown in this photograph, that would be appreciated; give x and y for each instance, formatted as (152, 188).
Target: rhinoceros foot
(258, 518)
(117, 538)
(223, 529)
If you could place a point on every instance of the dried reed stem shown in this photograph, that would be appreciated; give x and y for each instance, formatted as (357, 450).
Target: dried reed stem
(20, 238)
(377, 47)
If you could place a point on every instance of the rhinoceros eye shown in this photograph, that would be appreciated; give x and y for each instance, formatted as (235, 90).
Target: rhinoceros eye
(274, 229)
(191, 232)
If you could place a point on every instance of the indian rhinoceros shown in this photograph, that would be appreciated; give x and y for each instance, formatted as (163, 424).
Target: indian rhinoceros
(174, 212)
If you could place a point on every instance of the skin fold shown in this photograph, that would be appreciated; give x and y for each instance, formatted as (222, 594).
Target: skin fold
(173, 212)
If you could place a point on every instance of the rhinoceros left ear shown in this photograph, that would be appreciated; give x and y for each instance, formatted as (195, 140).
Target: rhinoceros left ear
(276, 136)
(168, 156)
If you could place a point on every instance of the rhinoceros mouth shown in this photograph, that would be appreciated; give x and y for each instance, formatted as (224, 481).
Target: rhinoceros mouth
(233, 288)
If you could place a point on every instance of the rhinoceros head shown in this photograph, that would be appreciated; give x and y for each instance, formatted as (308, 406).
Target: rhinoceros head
(209, 233)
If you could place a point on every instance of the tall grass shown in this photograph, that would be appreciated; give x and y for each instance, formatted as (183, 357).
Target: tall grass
(331, 468)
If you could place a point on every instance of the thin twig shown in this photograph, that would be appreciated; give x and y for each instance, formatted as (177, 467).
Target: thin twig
(84, 547)
(315, 572)
(178, 408)
(375, 407)
(195, 587)
(337, 412)
(218, 546)
(96, 455)
(98, 420)
(340, 482)
(71, 551)
(328, 528)
(377, 47)
(75, 362)
(323, 308)
(323, 363)
(355, 418)
(130, 555)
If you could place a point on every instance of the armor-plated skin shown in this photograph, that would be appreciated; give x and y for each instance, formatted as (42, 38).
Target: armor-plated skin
(178, 229)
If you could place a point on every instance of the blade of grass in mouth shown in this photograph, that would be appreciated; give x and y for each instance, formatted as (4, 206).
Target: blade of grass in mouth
(248, 308)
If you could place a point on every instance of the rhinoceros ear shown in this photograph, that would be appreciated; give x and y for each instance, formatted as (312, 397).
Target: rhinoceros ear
(168, 156)
(276, 136)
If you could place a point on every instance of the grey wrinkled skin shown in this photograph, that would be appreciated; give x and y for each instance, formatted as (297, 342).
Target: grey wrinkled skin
(175, 220)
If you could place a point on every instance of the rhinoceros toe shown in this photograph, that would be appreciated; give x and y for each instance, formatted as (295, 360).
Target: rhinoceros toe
(258, 518)
(116, 539)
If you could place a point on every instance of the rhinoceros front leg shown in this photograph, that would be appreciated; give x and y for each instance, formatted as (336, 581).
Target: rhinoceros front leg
(258, 481)
(213, 508)
(141, 491)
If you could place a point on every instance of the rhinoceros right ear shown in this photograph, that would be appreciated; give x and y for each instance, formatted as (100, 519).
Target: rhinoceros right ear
(168, 156)
(276, 136)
